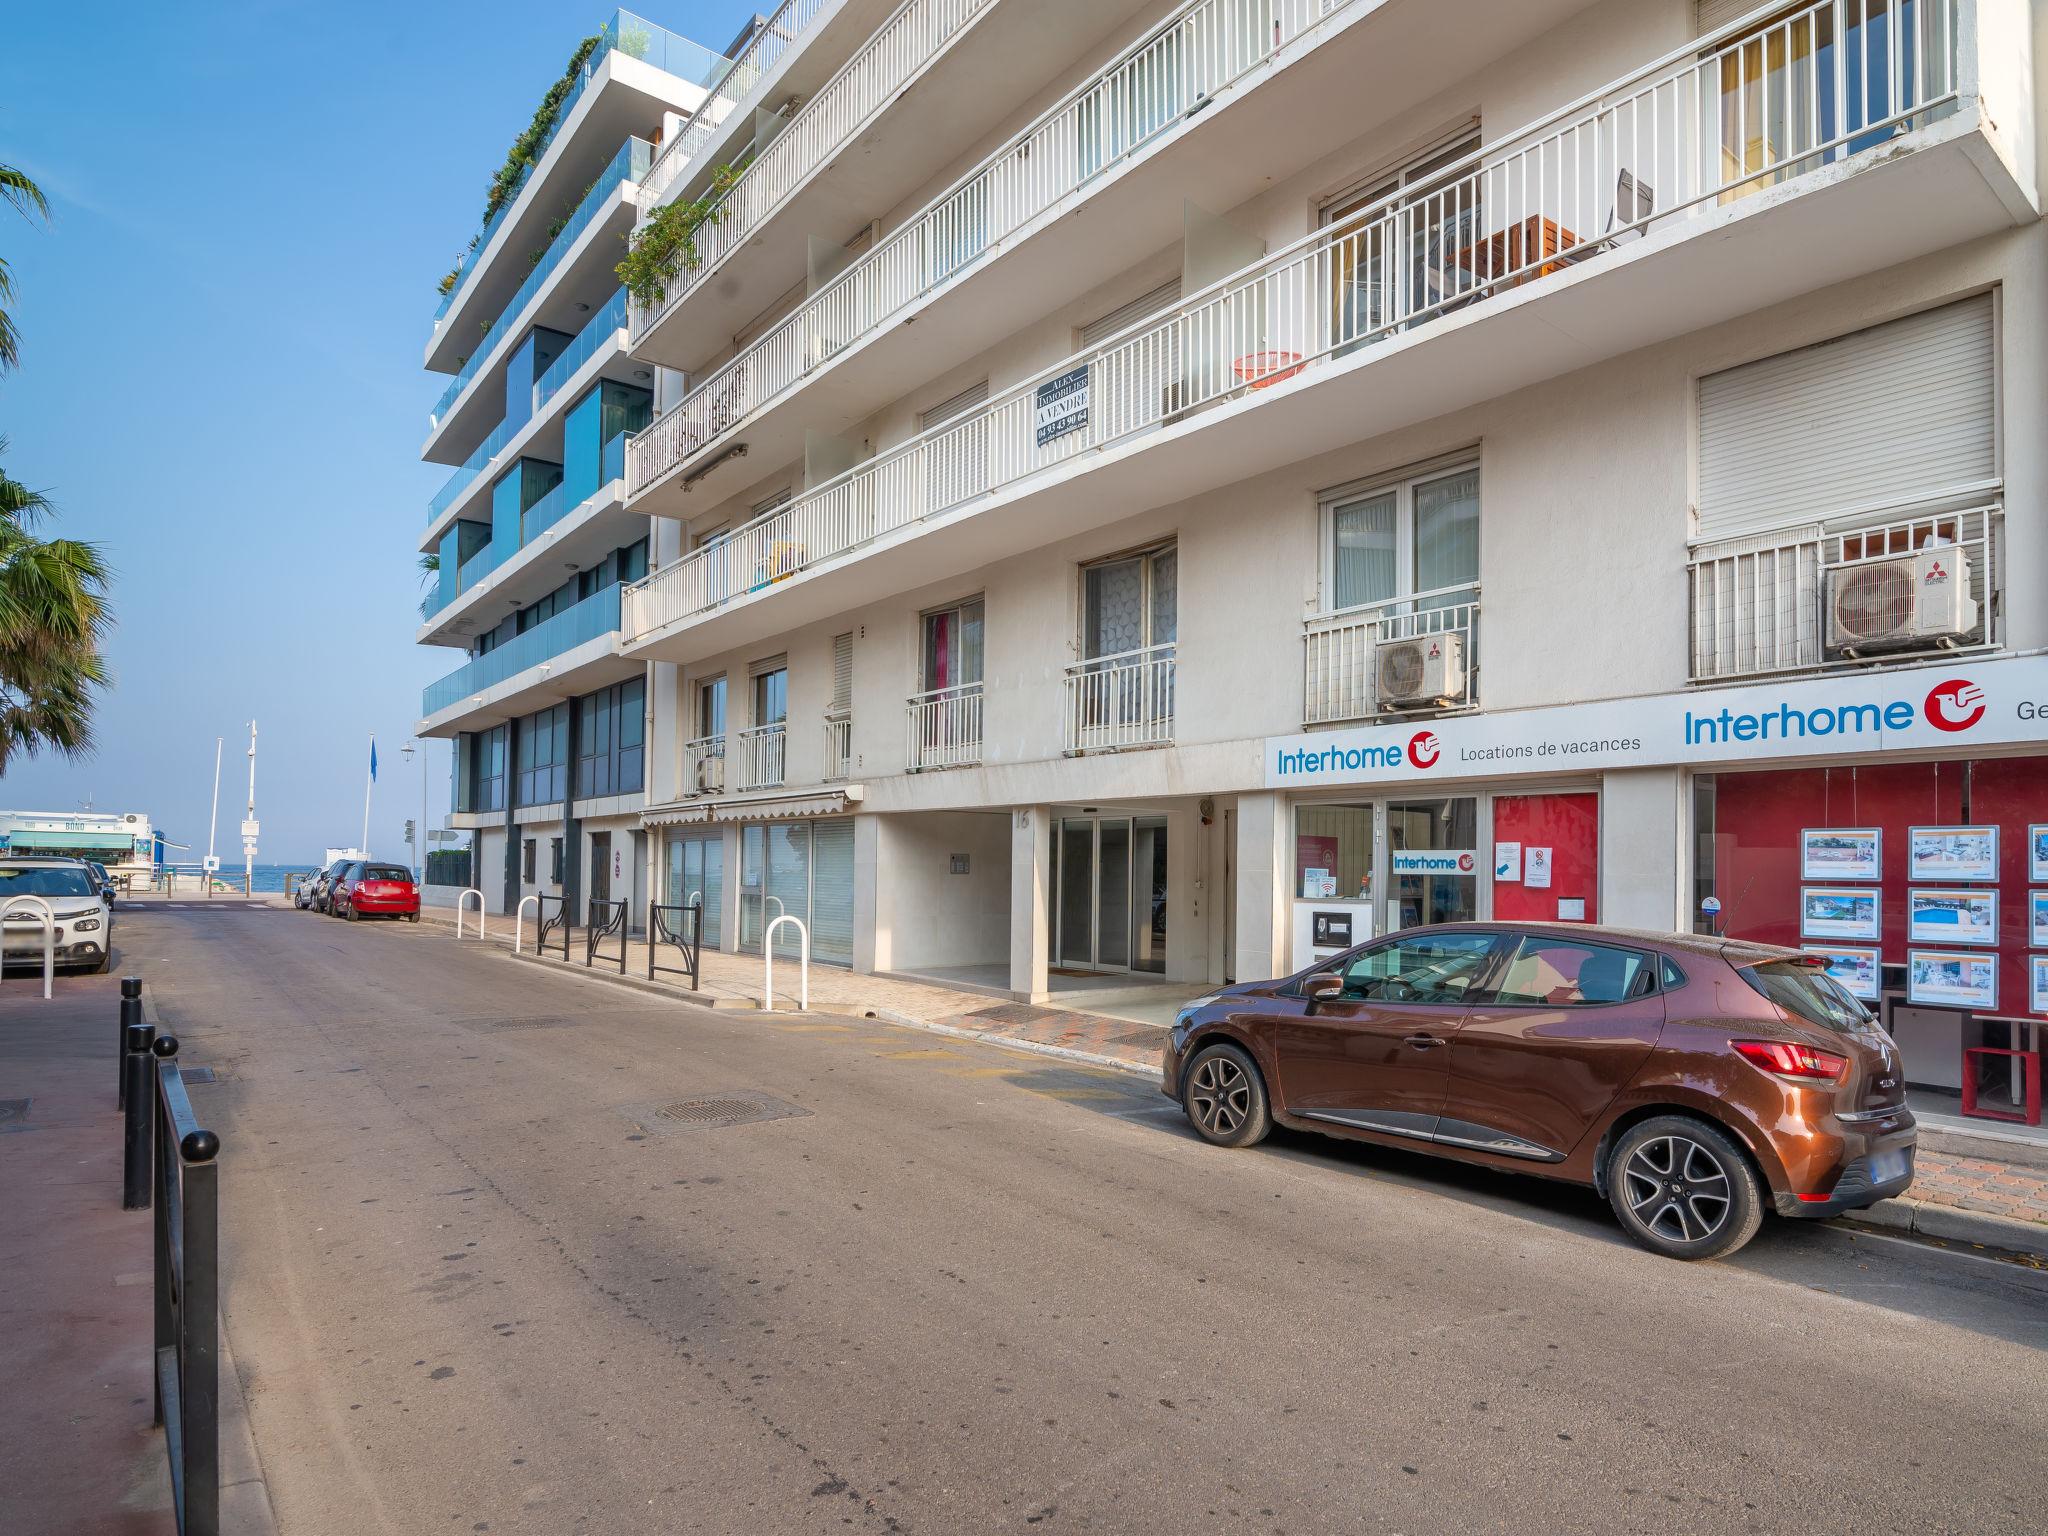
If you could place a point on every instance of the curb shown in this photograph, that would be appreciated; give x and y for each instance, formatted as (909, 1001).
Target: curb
(245, 1507)
(1924, 1218)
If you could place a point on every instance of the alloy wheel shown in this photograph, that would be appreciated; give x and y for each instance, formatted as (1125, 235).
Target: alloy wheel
(1220, 1095)
(1677, 1189)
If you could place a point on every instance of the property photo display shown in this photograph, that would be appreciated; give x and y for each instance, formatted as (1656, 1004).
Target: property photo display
(1952, 917)
(1951, 978)
(1857, 970)
(2037, 919)
(2037, 969)
(1828, 912)
(1841, 853)
(1954, 853)
(2037, 852)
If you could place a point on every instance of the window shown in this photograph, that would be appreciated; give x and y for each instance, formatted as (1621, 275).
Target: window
(711, 708)
(611, 750)
(482, 786)
(1807, 991)
(1423, 968)
(1129, 603)
(842, 677)
(543, 757)
(1409, 540)
(952, 647)
(1562, 973)
(771, 695)
(1333, 852)
(555, 860)
(526, 850)
(958, 405)
(1375, 278)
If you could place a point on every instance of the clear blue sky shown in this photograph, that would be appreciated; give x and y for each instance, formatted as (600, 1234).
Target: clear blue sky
(222, 329)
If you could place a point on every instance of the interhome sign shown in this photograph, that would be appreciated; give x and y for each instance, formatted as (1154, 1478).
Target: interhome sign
(1959, 708)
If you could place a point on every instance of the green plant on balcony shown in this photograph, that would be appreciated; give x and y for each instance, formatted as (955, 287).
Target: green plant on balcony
(635, 42)
(667, 243)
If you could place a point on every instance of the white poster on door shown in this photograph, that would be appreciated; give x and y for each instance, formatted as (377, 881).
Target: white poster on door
(1536, 868)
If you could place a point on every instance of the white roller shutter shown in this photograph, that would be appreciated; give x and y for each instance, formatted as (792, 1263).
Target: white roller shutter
(1710, 15)
(832, 891)
(1162, 297)
(1900, 413)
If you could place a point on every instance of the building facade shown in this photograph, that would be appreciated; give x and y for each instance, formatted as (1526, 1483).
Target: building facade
(1574, 435)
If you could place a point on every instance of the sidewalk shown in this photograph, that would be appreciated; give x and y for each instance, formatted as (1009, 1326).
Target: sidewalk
(1955, 1198)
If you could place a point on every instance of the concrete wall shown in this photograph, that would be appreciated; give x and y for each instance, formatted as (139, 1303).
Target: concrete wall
(926, 915)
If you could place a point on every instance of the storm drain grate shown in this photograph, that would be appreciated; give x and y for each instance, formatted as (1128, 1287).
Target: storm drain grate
(713, 1111)
(197, 1075)
(12, 1110)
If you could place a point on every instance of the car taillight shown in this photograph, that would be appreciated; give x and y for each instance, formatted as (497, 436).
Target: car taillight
(1802, 1063)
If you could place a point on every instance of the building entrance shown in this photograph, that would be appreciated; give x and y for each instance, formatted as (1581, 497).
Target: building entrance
(1110, 893)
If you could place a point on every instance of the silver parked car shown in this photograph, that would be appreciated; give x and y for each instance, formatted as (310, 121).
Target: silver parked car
(83, 916)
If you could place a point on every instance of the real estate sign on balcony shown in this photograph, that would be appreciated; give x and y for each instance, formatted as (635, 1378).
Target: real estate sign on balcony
(1958, 708)
(1062, 405)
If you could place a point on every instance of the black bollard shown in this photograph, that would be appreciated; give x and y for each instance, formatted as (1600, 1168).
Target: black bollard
(138, 1119)
(131, 1013)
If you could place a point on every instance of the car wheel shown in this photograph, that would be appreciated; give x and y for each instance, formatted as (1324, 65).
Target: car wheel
(412, 917)
(1683, 1188)
(106, 959)
(349, 911)
(1225, 1098)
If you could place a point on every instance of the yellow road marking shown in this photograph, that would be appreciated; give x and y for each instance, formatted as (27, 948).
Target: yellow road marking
(988, 1071)
(932, 1055)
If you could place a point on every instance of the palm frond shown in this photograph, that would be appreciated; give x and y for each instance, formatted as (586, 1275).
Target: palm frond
(23, 194)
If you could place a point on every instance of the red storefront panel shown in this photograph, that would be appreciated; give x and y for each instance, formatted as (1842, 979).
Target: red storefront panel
(1569, 826)
(2011, 793)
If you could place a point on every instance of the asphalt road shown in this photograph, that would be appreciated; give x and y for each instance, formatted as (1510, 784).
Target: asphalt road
(476, 1283)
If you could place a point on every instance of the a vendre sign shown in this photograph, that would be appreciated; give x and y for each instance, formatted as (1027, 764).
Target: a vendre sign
(1956, 708)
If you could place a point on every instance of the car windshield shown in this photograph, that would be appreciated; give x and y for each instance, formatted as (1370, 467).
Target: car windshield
(386, 872)
(1807, 991)
(44, 880)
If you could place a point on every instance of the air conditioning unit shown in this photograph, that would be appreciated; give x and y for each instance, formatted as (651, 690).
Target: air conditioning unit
(1910, 600)
(1429, 669)
(710, 775)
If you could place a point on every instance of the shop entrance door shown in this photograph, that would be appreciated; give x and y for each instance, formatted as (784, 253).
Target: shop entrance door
(1109, 884)
(600, 866)
(1432, 861)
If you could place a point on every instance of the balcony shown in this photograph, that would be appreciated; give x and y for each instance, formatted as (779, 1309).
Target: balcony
(1616, 222)
(1351, 669)
(573, 652)
(942, 728)
(1117, 703)
(704, 766)
(761, 754)
(636, 72)
(838, 747)
(936, 76)
(1759, 605)
(584, 252)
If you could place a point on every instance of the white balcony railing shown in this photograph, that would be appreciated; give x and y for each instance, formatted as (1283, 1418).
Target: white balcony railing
(704, 766)
(870, 80)
(1664, 145)
(732, 91)
(1759, 604)
(942, 728)
(838, 748)
(1341, 659)
(763, 752)
(1200, 50)
(1122, 701)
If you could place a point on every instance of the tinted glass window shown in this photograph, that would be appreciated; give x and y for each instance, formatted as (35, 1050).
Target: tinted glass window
(45, 880)
(1422, 968)
(386, 872)
(1807, 992)
(1563, 973)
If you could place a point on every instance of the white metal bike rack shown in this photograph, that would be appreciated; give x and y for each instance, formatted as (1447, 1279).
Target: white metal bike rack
(462, 906)
(803, 934)
(518, 921)
(48, 918)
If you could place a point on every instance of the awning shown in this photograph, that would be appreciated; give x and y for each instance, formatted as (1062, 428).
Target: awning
(769, 805)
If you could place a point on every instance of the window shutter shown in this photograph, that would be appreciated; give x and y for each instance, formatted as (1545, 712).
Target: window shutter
(1712, 15)
(770, 503)
(1129, 314)
(832, 891)
(1900, 413)
(842, 675)
(959, 405)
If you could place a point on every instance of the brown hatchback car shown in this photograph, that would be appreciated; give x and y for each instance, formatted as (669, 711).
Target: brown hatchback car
(1689, 1080)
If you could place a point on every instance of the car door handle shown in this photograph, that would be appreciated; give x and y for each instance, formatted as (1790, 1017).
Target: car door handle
(1424, 1042)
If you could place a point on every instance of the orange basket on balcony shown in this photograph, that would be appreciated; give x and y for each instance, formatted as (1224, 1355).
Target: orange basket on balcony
(1260, 369)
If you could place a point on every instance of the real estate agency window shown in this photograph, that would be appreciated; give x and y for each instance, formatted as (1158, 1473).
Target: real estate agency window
(1407, 544)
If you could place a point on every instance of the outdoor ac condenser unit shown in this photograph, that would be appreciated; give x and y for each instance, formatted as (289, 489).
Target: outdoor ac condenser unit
(1917, 599)
(1430, 669)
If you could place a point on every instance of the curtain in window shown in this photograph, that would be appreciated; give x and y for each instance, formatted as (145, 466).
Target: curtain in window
(1447, 535)
(1363, 561)
(1113, 602)
(1165, 574)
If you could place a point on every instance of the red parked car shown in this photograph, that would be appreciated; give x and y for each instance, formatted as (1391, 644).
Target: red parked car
(375, 890)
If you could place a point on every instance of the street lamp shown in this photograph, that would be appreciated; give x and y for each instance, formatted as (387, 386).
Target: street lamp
(419, 845)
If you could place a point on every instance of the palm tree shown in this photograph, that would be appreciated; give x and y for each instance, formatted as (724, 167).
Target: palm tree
(27, 200)
(53, 617)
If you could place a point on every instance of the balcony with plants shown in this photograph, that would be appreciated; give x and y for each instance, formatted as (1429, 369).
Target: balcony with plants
(1582, 225)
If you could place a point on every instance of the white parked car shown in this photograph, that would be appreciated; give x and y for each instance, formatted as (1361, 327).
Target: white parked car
(84, 917)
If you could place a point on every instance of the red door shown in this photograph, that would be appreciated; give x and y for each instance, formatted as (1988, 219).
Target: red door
(1567, 828)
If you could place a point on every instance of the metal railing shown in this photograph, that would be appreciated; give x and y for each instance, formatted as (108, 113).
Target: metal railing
(462, 910)
(464, 474)
(1121, 701)
(730, 92)
(682, 927)
(867, 83)
(1340, 651)
(1202, 49)
(604, 920)
(1647, 150)
(762, 752)
(1759, 604)
(838, 747)
(803, 934)
(942, 728)
(704, 766)
(556, 921)
(595, 616)
(46, 918)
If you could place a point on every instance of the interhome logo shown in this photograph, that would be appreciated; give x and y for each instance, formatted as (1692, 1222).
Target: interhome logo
(1955, 705)
(1424, 749)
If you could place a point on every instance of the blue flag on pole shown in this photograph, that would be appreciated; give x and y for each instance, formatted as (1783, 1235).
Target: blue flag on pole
(373, 759)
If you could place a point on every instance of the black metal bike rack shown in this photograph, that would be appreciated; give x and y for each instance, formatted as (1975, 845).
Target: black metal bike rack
(684, 928)
(607, 920)
(557, 923)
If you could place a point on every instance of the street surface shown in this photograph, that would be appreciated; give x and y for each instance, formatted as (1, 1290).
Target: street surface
(475, 1281)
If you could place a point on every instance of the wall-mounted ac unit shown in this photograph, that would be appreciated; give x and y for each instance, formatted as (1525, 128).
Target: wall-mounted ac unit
(1911, 600)
(1429, 669)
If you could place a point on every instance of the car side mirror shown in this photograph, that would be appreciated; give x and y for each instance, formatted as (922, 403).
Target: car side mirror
(1322, 987)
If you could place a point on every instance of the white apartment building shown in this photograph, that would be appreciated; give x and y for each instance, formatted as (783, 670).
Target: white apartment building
(1165, 488)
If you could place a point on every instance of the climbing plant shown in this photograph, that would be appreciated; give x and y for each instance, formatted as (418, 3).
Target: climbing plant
(667, 243)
